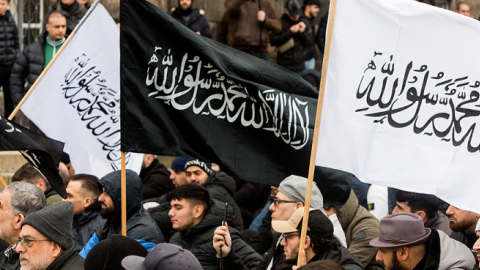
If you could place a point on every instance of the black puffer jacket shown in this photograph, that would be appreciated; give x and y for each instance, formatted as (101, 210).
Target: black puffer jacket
(139, 223)
(28, 66)
(9, 46)
(85, 224)
(293, 59)
(197, 22)
(198, 240)
(155, 180)
(219, 185)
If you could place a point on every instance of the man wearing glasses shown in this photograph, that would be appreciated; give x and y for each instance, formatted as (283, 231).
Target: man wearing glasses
(319, 243)
(17, 201)
(46, 240)
(290, 197)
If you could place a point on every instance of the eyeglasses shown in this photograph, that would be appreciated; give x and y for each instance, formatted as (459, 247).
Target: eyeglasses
(276, 202)
(26, 241)
(288, 235)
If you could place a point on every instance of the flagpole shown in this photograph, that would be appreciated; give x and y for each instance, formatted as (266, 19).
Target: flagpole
(313, 154)
(51, 62)
(124, 196)
(2, 181)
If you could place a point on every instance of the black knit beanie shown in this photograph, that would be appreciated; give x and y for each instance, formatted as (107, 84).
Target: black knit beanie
(55, 222)
(109, 253)
(205, 166)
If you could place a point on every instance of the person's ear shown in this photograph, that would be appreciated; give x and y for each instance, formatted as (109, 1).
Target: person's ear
(422, 214)
(17, 220)
(41, 184)
(57, 250)
(198, 211)
(403, 253)
(87, 202)
(298, 205)
(307, 242)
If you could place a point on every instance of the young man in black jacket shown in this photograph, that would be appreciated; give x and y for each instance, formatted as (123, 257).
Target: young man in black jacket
(195, 217)
(192, 18)
(9, 50)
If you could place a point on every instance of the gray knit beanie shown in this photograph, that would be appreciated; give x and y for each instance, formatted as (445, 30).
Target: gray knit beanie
(55, 222)
(295, 187)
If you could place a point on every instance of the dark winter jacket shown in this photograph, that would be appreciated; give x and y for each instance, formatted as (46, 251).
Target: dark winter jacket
(251, 196)
(74, 17)
(68, 260)
(9, 45)
(311, 51)
(244, 29)
(140, 225)
(198, 240)
(28, 66)
(342, 256)
(219, 185)
(85, 224)
(155, 180)
(294, 58)
(197, 22)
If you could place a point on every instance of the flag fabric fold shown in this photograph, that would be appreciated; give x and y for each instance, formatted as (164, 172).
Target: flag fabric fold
(41, 152)
(78, 99)
(401, 101)
(185, 95)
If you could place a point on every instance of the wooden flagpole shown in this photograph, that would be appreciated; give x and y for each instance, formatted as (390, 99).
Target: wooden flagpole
(51, 62)
(124, 196)
(2, 181)
(313, 154)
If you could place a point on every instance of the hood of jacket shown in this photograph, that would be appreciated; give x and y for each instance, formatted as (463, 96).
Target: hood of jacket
(222, 179)
(212, 219)
(112, 185)
(348, 211)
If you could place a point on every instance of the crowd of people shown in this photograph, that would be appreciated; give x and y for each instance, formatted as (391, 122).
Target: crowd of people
(190, 217)
(194, 217)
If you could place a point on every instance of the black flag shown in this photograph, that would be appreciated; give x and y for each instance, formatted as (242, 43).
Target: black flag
(41, 152)
(185, 95)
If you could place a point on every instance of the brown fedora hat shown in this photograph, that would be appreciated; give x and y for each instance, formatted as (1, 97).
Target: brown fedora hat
(399, 230)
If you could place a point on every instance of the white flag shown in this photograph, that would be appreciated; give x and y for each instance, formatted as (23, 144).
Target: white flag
(78, 99)
(402, 99)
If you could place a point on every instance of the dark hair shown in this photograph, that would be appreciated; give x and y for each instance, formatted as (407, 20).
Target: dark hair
(28, 173)
(323, 245)
(322, 265)
(89, 182)
(419, 202)
(194, 194)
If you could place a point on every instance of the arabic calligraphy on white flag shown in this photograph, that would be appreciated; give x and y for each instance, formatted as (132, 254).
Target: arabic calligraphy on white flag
(402, 99)
(78, 99)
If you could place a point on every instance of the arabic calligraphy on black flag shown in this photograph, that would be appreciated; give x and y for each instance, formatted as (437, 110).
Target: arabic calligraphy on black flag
(185, 95)
(41, 152)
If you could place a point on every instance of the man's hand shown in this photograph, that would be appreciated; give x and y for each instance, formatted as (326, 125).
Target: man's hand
(302, 26)
(304, 261)
(294, 28)
(220, 235)
(261, 16)
(273, 191)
